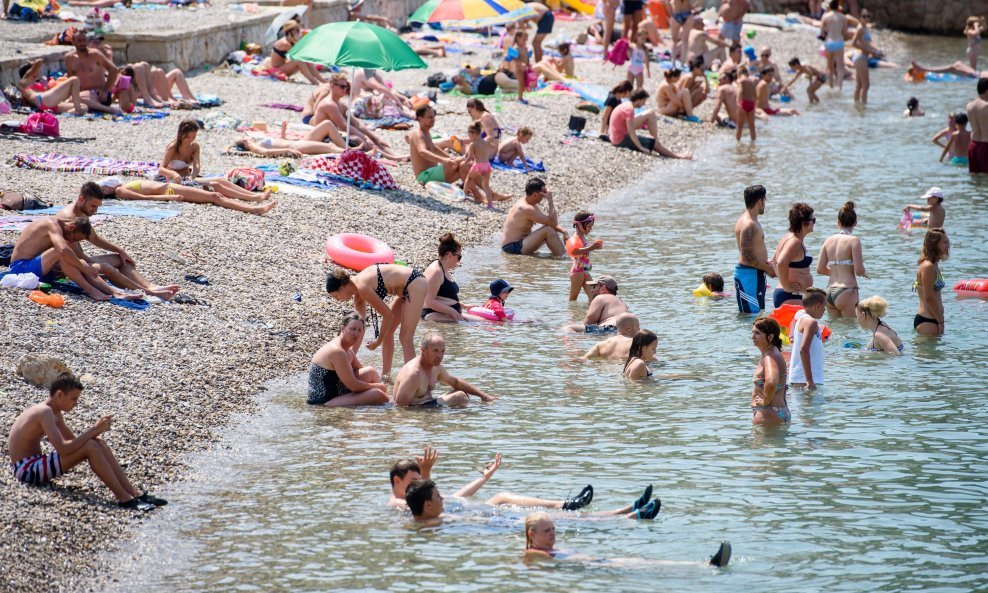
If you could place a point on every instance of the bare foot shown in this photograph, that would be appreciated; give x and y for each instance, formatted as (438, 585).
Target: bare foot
(265, 208)
(99, 296)
(162, 292)
(284, 129)
(129, 296)
(266, 195)
(503, 197)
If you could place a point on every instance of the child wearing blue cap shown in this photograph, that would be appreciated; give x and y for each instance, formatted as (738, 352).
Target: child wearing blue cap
(500, 289)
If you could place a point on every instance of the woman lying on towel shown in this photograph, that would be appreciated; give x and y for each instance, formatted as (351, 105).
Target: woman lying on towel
(146, 189)
(324, 138)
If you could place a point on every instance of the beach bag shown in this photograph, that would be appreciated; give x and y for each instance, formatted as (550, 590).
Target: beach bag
(435, 80)
(247, 178)
(576, 125)
(619, 52)
(41, 124)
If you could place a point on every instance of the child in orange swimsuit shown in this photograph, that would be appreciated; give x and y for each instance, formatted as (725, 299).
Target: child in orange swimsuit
(578, 249)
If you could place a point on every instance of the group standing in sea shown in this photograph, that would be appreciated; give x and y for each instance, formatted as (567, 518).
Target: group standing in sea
(402, 296)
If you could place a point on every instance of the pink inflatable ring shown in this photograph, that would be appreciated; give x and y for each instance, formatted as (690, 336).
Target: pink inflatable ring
(356, 252)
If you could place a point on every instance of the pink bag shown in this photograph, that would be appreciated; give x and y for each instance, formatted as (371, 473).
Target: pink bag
(619, 52)
(247, 178)
(41, 124)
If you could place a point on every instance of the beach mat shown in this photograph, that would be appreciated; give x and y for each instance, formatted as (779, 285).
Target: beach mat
(148, 209)
(138, 116)
(80, 164)
(516, 165)
(309, 178)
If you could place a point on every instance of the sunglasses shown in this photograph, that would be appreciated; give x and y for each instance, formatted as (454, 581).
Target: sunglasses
(459, 257)
(813, 220)
(342, 85)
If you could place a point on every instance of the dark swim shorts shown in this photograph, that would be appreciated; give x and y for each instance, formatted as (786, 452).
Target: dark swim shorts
(633, 6)
(646, 142)
(545, 23)
(512, 248)
(593, 329)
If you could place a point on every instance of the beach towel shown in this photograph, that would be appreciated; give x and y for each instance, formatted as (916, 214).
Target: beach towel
(206, 100)
(149, 209)
(309, 178)
(353, 167)
(287, 106)
(144, 114)
(76, 164)
(516, 165)
(220, 120)
(595, 93)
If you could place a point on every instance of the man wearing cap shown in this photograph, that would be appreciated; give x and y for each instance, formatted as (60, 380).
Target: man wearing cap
(96, 73)
(616, 347)
(977, 114)
(418, 378)
(934, 205)
(601, 317)
(517, 237)
(117, 265)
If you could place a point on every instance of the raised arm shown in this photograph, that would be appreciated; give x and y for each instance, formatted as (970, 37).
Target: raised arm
(472, 488)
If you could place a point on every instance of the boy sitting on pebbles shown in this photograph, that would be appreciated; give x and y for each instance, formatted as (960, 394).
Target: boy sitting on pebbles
(31, 466)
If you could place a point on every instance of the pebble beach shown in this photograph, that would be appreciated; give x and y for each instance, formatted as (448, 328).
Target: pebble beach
(173, 375)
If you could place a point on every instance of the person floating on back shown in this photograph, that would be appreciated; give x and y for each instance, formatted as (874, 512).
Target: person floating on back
(45, 420)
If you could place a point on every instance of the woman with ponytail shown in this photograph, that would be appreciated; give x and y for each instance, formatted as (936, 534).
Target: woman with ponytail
(768, 396)
(841, 259)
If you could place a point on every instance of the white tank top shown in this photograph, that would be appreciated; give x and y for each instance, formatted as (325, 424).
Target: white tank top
(796, 373)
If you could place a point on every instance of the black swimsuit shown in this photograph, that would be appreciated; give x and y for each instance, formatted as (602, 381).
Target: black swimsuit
(324, 385)
(447, 290)
(280, 52)
(382, 290)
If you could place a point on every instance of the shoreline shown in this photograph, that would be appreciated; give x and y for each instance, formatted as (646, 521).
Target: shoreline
(172, 394)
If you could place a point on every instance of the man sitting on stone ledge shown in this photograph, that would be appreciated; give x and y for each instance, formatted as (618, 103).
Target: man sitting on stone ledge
(98, 77)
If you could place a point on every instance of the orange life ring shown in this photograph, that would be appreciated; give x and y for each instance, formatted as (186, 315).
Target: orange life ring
(356, 251)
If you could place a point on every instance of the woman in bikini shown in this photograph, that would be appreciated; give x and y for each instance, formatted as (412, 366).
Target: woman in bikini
(278, 60)
(833, 30)
(372, 286)
(973, 29)
(768, 395)
(336, 377)
(841, 259)
(792, 261)
(442, 301)
(929, 320)
(642, 352)
(314, 143)
(671, 99)
(64, 97)
(145, 189)
(883, 337)
(181, 165)
(866, 51)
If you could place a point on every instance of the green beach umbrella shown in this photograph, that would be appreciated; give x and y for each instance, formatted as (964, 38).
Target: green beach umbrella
(356, 45)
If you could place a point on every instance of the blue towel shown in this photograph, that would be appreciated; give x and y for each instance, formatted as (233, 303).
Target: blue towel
(138, 305)
(301, 177)
(155, 213)
(517, 166)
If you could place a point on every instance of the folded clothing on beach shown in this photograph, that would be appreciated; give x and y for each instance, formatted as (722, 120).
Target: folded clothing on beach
(220, 120)
(517, 166)
(80, 164)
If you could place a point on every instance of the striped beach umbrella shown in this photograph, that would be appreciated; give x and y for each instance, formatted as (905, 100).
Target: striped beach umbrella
(461, 11)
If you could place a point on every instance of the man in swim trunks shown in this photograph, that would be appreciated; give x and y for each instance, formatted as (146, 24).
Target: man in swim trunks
(429, 162)
(517, 237)
(753, 264)
(977, 114)
(763, 90)
(96, 73)
(45, 249)
(699, 44)
(418, 379)
(616, 348)
(601, 317)
(45, 420)
(732, 12)
(117, 265)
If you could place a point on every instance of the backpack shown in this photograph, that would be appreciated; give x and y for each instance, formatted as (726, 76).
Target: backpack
(619, 52)
(41, 124)
(247, 178)
(435, 80)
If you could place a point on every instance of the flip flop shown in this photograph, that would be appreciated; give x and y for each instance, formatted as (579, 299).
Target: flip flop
(643, 499)
(723, 555)
(649, 511)
(200, 279)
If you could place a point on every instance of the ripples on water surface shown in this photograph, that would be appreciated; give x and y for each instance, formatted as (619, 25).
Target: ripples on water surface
(878, 484)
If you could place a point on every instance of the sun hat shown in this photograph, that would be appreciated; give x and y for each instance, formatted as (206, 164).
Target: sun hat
(607, 281)
(934, 192)
(500, 286)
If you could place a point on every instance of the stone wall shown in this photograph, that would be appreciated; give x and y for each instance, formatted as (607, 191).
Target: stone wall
(942, 17)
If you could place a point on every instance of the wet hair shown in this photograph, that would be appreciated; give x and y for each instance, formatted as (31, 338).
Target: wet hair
(474, 127)
(65, 383)
(187, 126)
(91, 190)
(875, 306)
(960, 119)
(476, 104)
(534, 185)
(912, 104)
(525, 131)
(673, 73)
(401, 468)
(752, 194)
(799, 214)
(531, 522)
(847, 217)
(813, 296)
(336, 280)
(448, 244)
(642, 339)
(794, 62)
(80, 224)
(639, 95)
(714, 281)
(581, 217)
(982, 86)
(351, 316)
(696, 62)
(417, 494)
(624, 86)
(931, 246)
(771, 329)
(421, 111)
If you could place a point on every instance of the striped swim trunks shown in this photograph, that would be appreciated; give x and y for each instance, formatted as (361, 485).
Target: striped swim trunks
(38, 469)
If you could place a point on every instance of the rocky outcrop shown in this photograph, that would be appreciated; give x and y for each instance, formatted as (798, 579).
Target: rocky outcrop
(942, 17)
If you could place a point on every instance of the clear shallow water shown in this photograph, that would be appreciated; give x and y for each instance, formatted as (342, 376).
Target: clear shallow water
(878, 484)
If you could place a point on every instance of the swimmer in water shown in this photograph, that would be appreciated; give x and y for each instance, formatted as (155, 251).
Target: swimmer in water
(792, 260)
(616, 347)
(540, 543)
(806, 361)
(336, 377)
(814, 75)
(929, 320)
(957, 142)
(768, 396)
(912, 108)
(641, 353)
(934, 205)
(883, 337)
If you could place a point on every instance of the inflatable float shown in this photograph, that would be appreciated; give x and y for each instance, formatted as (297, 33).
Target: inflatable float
(703, 291)
(489, 314)
(912, 220)
(581, 7)
(445, 191)
(356, 252)
(784, 316)
(972, 288)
